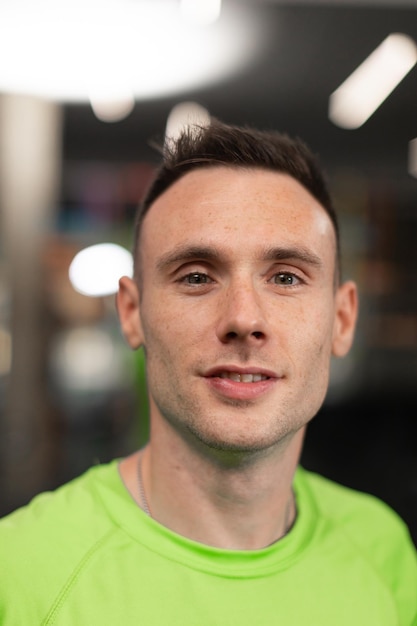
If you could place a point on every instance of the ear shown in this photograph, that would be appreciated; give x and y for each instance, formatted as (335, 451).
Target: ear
(127, 302)
(346, 312)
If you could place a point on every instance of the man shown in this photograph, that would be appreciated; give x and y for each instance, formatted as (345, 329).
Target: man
(238, 303)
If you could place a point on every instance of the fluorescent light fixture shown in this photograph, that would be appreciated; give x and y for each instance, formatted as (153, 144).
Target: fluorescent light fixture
(201, 11)
(67, 50)
(96, 270)
(412, 157)
(185, 114)
(372, 82)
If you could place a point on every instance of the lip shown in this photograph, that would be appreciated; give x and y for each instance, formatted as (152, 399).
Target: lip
(216, 371)
(236, 390)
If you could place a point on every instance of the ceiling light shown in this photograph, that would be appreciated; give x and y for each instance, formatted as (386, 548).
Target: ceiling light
(110, 108)
(372, 82)
(185, 114)
(201, 11)
(96, 270)
(111, 102)
(69, 49)
(87, 361)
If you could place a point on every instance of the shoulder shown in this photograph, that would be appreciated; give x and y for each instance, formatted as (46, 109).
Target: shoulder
(43, 543)
(369, 529)
(355, 511)
(58, 511)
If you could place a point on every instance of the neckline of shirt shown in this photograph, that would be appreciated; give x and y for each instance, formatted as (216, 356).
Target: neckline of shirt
(167, 544)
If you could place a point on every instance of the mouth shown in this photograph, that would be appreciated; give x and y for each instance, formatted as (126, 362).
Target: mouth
(241, 384)
(248, 375)
(242, 378)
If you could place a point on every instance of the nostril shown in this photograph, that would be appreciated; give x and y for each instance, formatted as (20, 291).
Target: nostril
(232, 335)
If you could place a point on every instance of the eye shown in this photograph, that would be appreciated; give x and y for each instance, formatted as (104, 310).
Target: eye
(194, 282)
(195, 278)
(285, 278)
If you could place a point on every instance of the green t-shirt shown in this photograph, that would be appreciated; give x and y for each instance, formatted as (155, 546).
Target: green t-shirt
(87, 555)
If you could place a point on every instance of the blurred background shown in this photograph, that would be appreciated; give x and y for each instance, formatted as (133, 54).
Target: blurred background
(86, 89)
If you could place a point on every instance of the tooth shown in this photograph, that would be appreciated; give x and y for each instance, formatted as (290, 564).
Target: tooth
(243, 378)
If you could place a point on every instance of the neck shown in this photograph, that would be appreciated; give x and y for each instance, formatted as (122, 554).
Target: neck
(241, 502)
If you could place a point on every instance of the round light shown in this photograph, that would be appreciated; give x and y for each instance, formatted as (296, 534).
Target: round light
(68, 49)
(185, 114)
(87, 360)
(202, 12)
(95, 271)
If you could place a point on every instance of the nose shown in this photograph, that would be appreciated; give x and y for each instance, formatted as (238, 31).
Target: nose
(241, 315)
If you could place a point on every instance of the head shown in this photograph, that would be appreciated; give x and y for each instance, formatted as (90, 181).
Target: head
(235, 299)
(244, 147)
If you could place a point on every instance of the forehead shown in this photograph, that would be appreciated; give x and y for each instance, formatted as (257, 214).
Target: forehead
(239, 209)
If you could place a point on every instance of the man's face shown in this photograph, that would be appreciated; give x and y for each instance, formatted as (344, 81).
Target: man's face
(238, 309)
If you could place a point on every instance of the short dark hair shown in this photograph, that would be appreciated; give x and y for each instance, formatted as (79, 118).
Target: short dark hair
(220, 144)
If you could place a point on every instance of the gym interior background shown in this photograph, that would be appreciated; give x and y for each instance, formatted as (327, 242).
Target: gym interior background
(71, 393)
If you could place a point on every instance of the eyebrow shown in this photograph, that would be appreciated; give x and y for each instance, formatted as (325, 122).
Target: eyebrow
(293, 253)
(184, 253)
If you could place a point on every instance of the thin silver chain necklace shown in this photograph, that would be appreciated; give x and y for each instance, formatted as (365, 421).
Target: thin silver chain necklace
(288, 523)
(145, 503)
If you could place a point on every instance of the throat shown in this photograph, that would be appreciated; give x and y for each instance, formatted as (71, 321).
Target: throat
(227, 519)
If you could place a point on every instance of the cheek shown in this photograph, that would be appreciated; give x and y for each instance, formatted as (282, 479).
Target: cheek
(312, 332)
(170, 336)
(176, 320)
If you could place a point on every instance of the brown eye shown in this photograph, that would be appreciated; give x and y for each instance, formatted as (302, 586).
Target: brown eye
(196, 278)
(283, 278)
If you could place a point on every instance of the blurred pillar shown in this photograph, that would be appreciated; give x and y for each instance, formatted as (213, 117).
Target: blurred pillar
(30, 166)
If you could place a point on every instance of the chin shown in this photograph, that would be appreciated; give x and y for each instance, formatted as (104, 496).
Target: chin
(237, 446)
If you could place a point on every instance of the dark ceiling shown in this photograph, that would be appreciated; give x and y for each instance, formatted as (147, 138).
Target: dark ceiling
(309, 49)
